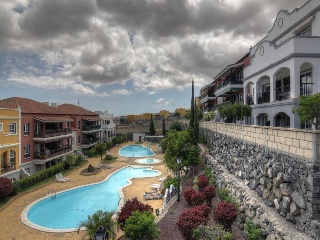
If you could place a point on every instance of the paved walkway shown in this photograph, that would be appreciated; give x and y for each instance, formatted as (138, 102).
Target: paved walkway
(13, 229)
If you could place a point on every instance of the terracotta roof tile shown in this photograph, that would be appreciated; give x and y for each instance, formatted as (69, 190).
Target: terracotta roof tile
(28, 105)
(75, 110)
(53, 119)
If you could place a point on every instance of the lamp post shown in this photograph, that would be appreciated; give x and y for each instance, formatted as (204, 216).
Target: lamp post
(179, 162)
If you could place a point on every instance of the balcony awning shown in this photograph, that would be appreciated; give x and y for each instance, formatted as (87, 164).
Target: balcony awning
(303, 24)
(91, 118)
(53, 119)
(226, 71)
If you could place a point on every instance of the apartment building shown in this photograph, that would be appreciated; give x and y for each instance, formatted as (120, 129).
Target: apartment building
(284, 65)
(10, 142)
(228, 84)
(208, 101)
(86, 126)
(108, 126)
(45, 134)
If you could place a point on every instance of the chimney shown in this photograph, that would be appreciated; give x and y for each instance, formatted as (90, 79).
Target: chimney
(54, 105)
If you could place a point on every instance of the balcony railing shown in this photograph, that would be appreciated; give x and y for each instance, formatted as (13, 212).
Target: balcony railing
(52, 153)
(283, 93)
(91, 128)
(230, 81)
(7, 167)
(90, 141)
(306, 89)
(263, 97)
(53, 133)
(250, 100)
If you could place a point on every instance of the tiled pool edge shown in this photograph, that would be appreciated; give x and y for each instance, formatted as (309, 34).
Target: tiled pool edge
(25, 221)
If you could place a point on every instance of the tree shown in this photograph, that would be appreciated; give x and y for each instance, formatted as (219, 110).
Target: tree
(100, 148)
(176, 125)
(98, 219)
(163, 126)
(191, 123)
(240, 111)
(141, 226)
(309, 110)
(6, 187)
(152, 130)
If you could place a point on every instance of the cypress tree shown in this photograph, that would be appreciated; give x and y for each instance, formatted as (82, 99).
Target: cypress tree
(163, 127)
(191, 123)
(152, 129)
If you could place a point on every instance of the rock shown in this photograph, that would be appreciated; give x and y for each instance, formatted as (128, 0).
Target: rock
(294, 209)
(265, 193)
(298, 199)
(289, 217)
(270, 172)
(299, 223)
(285, 189)
(286, 202)
(253, 183)
(263, 181)
(269, 185)
(276, 204)
(279, 179)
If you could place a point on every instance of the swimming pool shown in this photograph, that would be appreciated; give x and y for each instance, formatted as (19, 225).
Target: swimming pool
(67, 209)
(135, 151)
(147, 161)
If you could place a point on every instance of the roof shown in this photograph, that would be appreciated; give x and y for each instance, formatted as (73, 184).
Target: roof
(28, 105)
(226, 70)
(53, 119)
(75, 110)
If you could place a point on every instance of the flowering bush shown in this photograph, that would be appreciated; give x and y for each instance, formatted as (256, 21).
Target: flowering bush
(209, 192)
(5, 187)
(225, 214)
(129, 207)
(202, 182)
(197, 199)
(190, 219)
(188, 195)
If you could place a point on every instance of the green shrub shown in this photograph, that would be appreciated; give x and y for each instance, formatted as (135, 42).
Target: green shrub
(170, 181)
(71, 159)
(79, 159)
(24, 183)
(252, 231)
(92, 152)
(209, 175)
(222, 193)
(215, 232)
(141, 225)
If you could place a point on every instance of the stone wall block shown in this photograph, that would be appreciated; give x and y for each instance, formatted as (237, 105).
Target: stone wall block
(285, 189)
(286, 201)
(298, 199)
(294, 209)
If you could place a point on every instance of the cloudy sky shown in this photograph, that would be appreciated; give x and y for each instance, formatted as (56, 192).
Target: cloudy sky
(125, 56)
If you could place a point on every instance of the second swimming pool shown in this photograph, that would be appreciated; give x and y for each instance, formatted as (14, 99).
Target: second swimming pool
(67, 209)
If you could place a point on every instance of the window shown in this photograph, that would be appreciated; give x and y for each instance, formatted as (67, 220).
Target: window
(26, 128)
(78, 139)
(78, 124)
(27, 151)
(1, 127)
(12, 128)
(306, 84)
(38, 128)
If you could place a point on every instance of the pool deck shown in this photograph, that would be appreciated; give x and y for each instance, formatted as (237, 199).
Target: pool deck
(12, 227)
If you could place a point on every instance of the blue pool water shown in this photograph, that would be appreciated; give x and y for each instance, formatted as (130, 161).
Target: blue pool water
(69, 208)
(135, 151)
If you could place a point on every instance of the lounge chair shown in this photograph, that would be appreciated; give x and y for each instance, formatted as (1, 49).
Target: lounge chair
(157, 186)
(62, 177)
(152, 195)
(59, 179)
(162, 179)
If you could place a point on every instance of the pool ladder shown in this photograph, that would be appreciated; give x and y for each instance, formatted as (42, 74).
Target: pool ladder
(52, 194)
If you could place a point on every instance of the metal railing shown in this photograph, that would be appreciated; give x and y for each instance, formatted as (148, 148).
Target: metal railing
(283, 93)
(306, 89)
(90, 141)
(91, 128)
(52, 152)
(263, 97)
(52, 133)
(230, 81)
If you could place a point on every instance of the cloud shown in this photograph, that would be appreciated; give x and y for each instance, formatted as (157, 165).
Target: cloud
(160, 100)
(121, 92)
(155, 44)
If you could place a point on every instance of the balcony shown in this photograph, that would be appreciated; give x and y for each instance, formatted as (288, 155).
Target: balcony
(306, 89)
(8, 166)
(92, 128)
(263, 97)
(52, 134)
(250, 100)
(89, 142)
(52, 153)
(234, 83)
(207, 98)
(283, 93)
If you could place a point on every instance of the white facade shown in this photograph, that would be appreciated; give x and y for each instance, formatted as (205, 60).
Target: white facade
(284, 66)
(108, 126)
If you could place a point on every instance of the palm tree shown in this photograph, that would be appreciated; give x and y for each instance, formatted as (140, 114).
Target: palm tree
(99, 218)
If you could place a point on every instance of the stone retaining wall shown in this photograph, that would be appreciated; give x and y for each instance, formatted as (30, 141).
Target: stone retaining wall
(286, 182)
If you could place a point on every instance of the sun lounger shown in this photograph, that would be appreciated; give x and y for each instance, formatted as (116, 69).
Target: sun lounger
(60, 179)
(162, 179)
(157, 186)
(152, 195)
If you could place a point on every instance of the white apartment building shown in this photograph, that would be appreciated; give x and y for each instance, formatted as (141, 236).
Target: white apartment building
(108, 126)
(284, 66)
